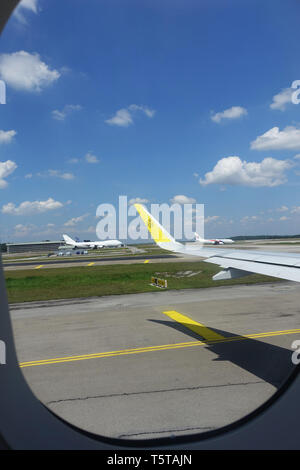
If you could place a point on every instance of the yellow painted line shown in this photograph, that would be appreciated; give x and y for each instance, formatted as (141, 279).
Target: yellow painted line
(201, 330)
(91, 264)
(163, 347)
(146, 261)
(38, 267)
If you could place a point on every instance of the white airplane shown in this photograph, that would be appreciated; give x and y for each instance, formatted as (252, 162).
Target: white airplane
(235, 263)
(214, 241)
(93, 245)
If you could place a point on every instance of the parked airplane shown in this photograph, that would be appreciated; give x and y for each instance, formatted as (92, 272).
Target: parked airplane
(94, 245)
(214, 241)
(235, 263)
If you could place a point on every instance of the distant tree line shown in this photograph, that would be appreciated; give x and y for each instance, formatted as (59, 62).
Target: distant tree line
(264, 237)
(3, 248)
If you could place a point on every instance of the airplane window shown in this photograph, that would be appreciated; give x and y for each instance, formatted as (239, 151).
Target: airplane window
(150, 236)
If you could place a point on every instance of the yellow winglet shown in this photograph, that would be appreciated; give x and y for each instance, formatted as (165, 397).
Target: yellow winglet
(152, 225)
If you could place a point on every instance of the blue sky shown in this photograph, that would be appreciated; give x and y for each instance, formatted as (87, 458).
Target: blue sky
(155, 100)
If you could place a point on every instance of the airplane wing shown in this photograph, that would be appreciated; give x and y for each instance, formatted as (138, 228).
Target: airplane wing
(235, 263)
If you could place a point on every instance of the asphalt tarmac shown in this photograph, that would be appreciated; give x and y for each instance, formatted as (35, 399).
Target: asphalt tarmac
(82, 260)
(161, 364)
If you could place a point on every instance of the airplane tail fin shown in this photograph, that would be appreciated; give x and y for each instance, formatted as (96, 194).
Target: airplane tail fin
(197, 237)
(68, 240)
(159, 234)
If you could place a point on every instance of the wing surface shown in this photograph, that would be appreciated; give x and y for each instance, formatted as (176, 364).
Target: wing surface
(235, 263)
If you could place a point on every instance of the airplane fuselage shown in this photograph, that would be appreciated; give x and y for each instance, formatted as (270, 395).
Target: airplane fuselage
(213, 241)
(222, 241)
(95, 245)
(92, 245)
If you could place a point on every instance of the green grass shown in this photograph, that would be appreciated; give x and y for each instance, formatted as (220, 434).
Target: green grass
(64, 283)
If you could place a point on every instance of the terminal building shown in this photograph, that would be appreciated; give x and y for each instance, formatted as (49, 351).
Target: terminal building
(34, 247)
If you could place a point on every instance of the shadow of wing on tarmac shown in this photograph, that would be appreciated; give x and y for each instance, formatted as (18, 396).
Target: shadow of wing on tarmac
(269, 362)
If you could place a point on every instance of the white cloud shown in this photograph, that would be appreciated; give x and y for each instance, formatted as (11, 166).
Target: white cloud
(282, 209)
(60, 174)
(274, 139)
(295, 210)
(233, 171)
(67, 110)
(124, 116)
(75, 220)
(25, 5)
(148, 112)
(249, 218)
(121, 118)
(24, 71)
(231, 113)
(284, 218)
(21, 229)
(211, 218)
(29, 5)
(181, 199)
(297, 157)
(283, 98)
(6, 169)
(30, 208)
(55, 174)
(137, 200)
(90, 158)
(6, 136)
(29, 176)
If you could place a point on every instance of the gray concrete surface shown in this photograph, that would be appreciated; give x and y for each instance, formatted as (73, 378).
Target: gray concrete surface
(84, 261)
(181, 389)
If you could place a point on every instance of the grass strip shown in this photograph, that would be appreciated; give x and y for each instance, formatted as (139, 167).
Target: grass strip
(76, 282)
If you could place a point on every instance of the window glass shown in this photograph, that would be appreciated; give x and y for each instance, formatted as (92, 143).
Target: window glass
(190, 110)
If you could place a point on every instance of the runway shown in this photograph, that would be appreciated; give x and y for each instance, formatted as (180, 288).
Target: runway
(150, 365)
(59, 262)
(82, 260)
